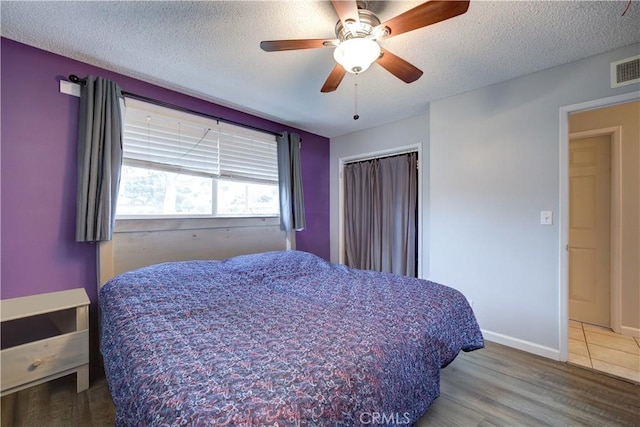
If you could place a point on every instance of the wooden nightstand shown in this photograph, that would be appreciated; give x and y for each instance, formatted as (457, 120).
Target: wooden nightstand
(64, 319)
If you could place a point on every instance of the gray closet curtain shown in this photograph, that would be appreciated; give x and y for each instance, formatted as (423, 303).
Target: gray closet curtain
(381, 214)
(99, 159)
(290, 182)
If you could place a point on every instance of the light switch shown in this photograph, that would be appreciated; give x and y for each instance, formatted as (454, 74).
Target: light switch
(546, 217)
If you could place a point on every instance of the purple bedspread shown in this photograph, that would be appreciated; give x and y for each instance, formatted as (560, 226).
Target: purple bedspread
(279, 338)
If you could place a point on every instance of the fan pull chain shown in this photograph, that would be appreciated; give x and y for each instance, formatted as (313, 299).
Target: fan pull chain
(356, 116)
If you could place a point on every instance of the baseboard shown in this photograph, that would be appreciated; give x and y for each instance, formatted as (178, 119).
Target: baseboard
(529, 347)
(629, 331)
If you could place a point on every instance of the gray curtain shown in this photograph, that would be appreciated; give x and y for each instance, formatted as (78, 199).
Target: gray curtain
(290, 182)
(381, 214)
(99, 159)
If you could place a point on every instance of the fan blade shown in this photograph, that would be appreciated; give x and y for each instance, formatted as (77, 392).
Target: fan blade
(278, 45)
(399, 67)
(423, 15)
(347, 11)
(334, 79)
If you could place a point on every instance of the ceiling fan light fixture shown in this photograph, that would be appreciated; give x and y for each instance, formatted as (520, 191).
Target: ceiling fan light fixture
(357, 54)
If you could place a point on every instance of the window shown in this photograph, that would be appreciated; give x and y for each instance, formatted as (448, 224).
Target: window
(177, 164)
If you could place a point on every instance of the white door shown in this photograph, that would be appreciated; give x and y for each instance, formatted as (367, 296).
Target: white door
(590, 230)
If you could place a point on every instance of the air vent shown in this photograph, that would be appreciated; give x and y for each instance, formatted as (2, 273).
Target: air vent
(625, 72)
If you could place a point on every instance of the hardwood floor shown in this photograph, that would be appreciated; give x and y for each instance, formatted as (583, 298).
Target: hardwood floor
(57, 404)
(490, 387)
(503, 386)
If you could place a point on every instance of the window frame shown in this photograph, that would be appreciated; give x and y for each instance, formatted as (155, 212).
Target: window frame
(135, 225)
(196, 220)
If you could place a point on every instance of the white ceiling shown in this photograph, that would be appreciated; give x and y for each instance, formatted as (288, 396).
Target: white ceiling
(210, 49)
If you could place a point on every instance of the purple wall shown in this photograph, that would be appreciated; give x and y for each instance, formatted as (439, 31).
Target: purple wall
(38, 172)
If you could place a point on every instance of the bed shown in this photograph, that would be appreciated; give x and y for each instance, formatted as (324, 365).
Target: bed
(278, 338)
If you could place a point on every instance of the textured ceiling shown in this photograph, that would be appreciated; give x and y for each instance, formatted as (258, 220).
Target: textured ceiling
(210, 49)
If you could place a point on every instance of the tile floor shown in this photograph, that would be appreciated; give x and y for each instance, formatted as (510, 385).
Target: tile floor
(603, 350)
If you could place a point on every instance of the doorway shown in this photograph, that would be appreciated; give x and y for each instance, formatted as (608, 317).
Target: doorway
(599, 274)
(417, 242)
(590, 206)
(380, 214)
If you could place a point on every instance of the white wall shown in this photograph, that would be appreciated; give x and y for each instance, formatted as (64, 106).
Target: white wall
(494, 162)
(411, 131)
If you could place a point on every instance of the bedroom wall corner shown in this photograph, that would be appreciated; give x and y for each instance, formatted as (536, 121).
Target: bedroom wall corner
(39, 134)
(38, 173)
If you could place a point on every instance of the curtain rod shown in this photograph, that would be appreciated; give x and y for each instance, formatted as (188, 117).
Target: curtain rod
(75, 79)
(382, 156)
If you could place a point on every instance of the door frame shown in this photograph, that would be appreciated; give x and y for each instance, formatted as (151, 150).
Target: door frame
(370, 156)
(615, 224)
(563, 223)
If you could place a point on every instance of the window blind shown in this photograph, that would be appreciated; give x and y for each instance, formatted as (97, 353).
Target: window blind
(163, 138)
(237, 144)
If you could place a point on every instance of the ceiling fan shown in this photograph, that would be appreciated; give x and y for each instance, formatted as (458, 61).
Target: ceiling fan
(358, 32)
